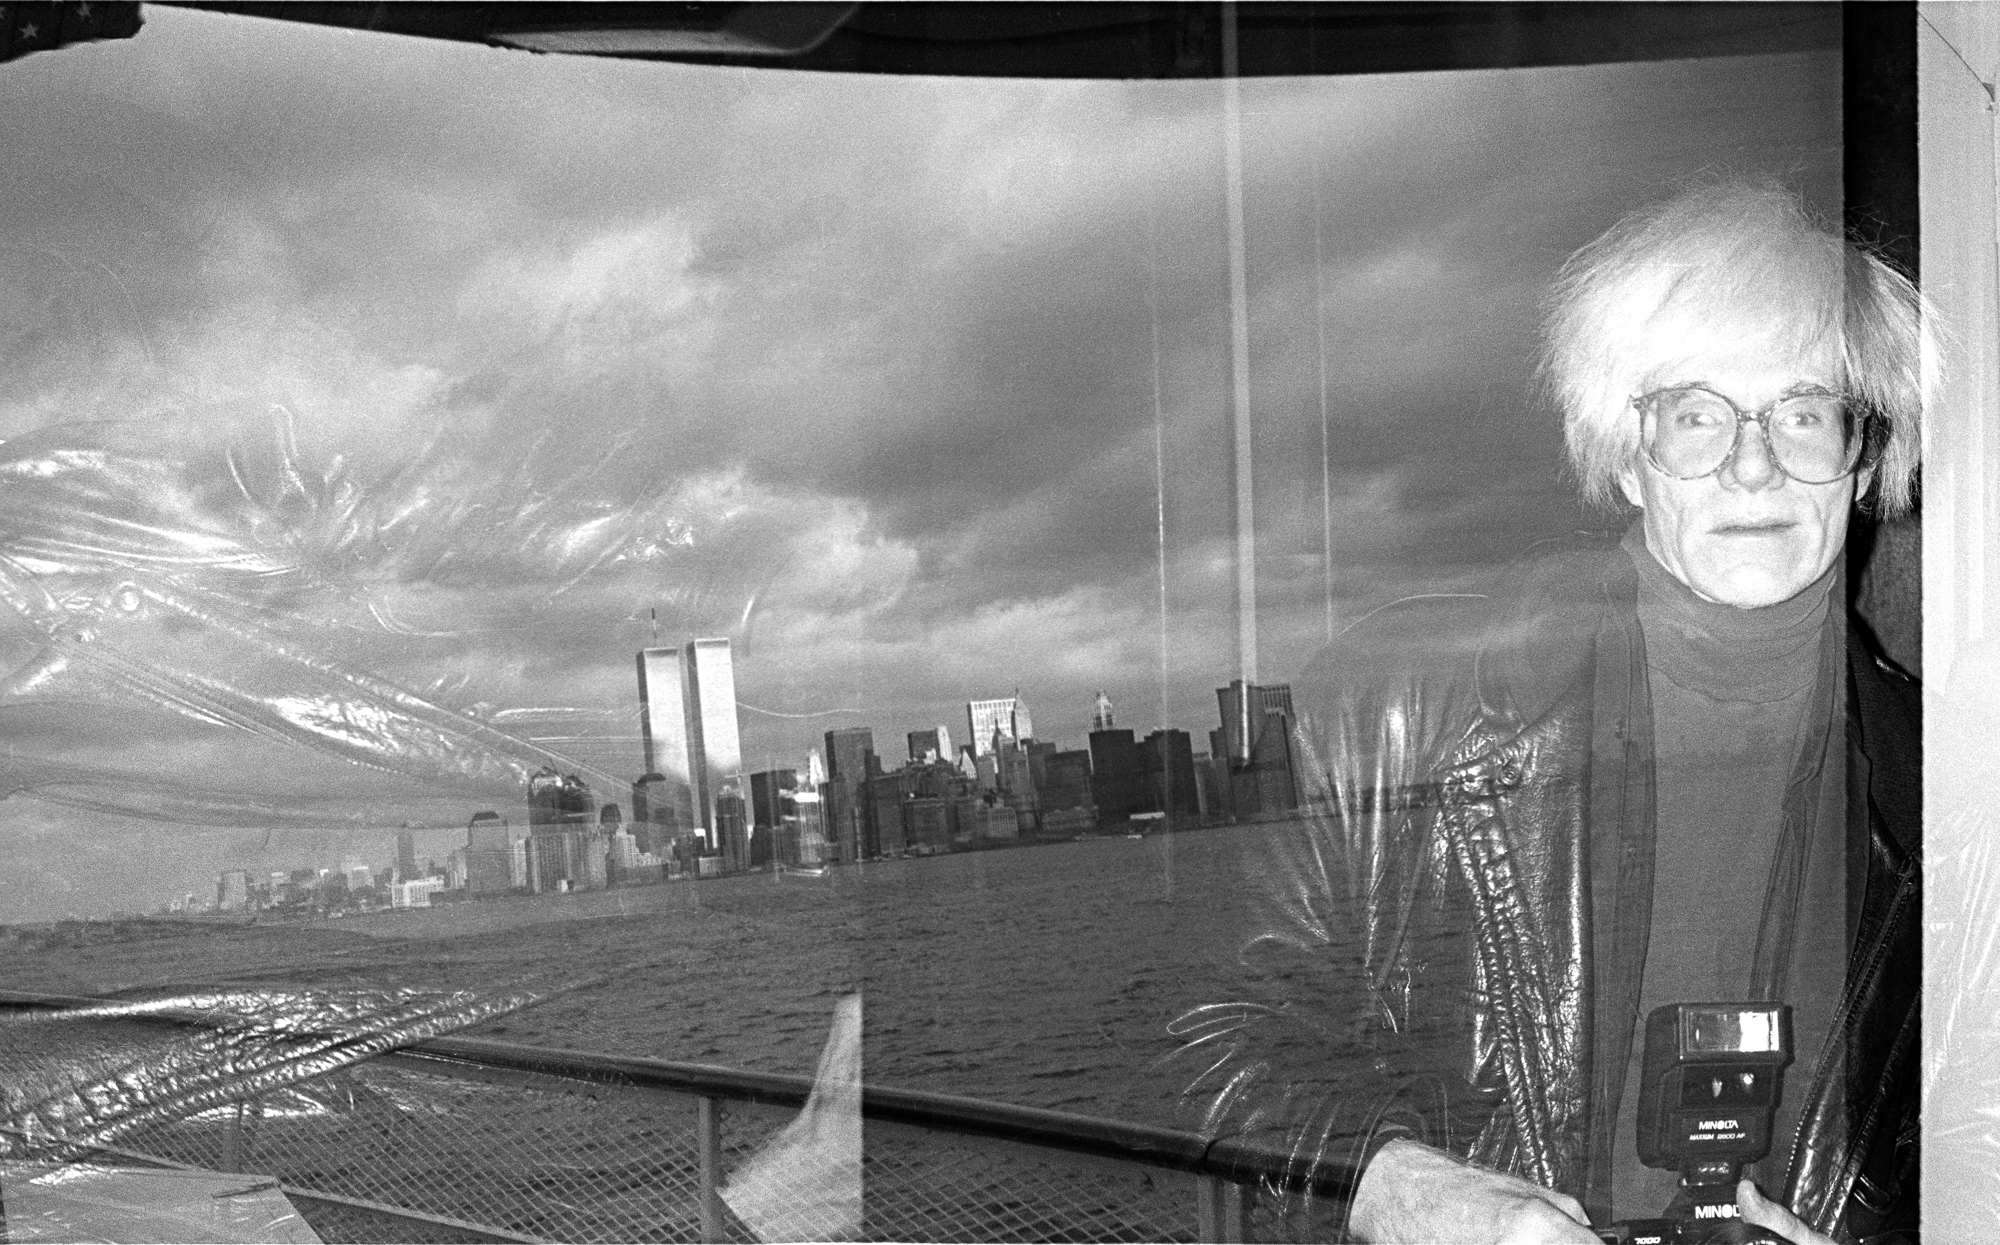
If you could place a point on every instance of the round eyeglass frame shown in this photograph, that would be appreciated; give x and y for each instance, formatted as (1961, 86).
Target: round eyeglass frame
(1862, 446)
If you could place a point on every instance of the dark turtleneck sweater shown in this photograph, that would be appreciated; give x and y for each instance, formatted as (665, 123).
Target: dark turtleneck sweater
(1748, 829)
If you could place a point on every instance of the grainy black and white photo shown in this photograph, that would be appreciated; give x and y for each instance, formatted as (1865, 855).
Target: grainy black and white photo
(960, 622)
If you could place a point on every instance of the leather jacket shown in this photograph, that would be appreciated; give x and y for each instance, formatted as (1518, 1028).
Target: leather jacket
(1449, 944)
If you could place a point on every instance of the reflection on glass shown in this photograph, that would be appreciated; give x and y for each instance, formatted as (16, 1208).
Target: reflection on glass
(351, 463)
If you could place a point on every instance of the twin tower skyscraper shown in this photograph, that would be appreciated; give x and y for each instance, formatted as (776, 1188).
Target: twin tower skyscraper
(687, 722)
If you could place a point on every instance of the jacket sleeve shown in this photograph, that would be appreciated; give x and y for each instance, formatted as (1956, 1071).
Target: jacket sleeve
(1355, 1022)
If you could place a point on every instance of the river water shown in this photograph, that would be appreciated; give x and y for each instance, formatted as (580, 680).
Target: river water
(1044, 976)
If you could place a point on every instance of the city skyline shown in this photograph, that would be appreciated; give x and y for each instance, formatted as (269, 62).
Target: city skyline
(1115, 754)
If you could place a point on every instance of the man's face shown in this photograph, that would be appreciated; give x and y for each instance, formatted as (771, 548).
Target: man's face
(1748, 535)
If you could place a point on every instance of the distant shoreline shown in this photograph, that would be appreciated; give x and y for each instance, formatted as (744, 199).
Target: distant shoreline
(513, 909)
(511, 912)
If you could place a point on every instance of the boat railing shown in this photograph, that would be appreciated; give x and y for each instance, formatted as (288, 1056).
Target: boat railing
(463, 1139)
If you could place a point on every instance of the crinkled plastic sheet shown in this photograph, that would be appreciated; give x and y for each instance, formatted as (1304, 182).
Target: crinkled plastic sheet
(1324, 1046)
(101, 1202)
(211, 576)
(1961, 1070)
(82, 1078)
(240, 583)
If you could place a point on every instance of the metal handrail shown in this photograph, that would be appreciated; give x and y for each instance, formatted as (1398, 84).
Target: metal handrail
(1227, 1158)
(1234, 1161)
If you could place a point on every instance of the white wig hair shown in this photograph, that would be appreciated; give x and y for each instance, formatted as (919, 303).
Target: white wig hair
(1706, 272)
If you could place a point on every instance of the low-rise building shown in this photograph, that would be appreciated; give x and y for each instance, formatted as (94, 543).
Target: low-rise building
(415, 893)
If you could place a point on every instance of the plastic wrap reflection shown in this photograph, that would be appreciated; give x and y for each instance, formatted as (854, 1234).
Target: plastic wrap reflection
(232, 584)
(89, 1077)
(94, 1202)
(1342, 1030)
(1961, 1074)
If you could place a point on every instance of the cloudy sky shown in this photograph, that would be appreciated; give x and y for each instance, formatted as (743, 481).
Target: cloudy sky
(370, 402)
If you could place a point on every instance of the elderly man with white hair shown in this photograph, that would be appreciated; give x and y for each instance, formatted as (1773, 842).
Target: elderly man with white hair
(1636, 772)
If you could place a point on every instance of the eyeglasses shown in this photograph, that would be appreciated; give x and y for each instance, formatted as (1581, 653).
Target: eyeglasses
(1691, 431)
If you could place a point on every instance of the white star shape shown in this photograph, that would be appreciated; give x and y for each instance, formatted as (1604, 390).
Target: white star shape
(83, 8)
(28, 30)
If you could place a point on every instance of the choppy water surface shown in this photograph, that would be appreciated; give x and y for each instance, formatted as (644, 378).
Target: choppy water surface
(1043, 976)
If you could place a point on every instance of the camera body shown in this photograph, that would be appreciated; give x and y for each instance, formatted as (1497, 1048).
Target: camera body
(1709, 1087)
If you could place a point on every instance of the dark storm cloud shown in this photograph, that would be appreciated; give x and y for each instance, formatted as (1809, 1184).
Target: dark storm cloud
(1030, 321)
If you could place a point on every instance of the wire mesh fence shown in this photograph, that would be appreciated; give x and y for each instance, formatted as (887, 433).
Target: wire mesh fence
(466, 1156)
(343, 1223)
(924, 1184)
(534, 1157)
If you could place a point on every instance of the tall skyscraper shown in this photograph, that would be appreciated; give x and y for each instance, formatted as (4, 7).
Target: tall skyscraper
(810, 801)
(1172, 787)
(712, 675)
(665, 735)
(1255, 743)
(489, 851)
(1100, 717)
(812, 827)
(774, 817)
(1117, 775)
(771, 796)
(884, 803)
(847, 752)
(849, 821)
(732, 828)
(1244, 708)
(687, 726)
(1007, 716)
(406, 855)
(1016, 783)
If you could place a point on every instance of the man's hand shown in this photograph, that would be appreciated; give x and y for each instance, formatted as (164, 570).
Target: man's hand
(1767, 1214)
(1419, 1196)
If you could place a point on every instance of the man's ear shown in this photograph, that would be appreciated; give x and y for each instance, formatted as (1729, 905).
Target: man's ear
(1862, 479)
(1628, 484)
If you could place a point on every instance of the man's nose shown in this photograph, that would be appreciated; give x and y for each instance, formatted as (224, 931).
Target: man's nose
(1752, 465)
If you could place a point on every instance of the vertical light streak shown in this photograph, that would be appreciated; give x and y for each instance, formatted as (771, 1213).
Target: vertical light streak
(1159, 441)
(1325, 431)
(1978, 552)
(1239, 355)
(1159, 505)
